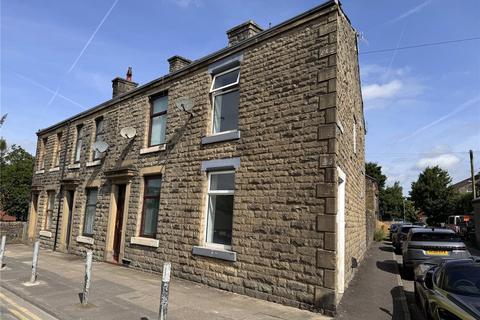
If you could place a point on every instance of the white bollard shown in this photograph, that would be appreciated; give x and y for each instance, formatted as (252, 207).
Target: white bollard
(88, 277)
(164, 294)
(2, 250)
(36, 247)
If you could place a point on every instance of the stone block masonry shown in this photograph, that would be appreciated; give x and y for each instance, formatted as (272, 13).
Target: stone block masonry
(298, 86)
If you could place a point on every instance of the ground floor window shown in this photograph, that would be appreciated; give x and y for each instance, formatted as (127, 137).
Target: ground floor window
(151, 204)
(49, 213)
(220, 208)
(90, 209)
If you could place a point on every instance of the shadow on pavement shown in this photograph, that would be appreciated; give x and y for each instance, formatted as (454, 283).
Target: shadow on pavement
(387, 266)
(387, 249)
(398, 312)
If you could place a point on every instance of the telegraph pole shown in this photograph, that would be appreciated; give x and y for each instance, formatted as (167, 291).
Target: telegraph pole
(472, 172)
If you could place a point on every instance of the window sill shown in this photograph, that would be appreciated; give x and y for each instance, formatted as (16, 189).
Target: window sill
(40, 171)
(54, 169)
(94, 163)
(83, 239)
(45, 234)
(73, 166)
(220, 137)
(160, 147)
(216, 253)
(147, 242)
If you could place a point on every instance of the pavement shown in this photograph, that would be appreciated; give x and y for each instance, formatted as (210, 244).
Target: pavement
(118, 293)
(377, 290)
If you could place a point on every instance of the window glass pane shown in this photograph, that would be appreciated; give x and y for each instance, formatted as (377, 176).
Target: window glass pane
(226, 111)
(219, 224)
(92, 197)
(158, 130)
(160, 104)
(150, 216)
(153, 186)
(89, 219)
(226, 79)
(78, 150)
(222, 181)
(99, 128)
(51, 200)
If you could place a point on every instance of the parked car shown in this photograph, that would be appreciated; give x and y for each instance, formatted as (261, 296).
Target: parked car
(454, 222)
(423, 244)
(401, 235)
(393, 228)
(449, 290)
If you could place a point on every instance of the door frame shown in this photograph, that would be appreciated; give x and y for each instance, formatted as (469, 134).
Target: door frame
(112, 218)
(33, 216)
(340, 230)
(67, 215)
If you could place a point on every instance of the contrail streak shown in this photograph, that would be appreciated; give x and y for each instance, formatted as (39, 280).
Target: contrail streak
(463, 106)
(411, 11)
(91, 37)
(49, 90)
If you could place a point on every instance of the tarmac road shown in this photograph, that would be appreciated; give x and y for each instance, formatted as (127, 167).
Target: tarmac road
(13, 307)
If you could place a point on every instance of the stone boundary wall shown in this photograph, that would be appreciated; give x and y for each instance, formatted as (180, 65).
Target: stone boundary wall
(13, 230)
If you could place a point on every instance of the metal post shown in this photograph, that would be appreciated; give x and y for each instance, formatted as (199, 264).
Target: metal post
(472, 173)
(2, 250)
(164, 294)
(36, 247)
(88, 277)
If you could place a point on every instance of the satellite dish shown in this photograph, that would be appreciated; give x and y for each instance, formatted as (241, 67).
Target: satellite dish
(128, 132)
(184, 104)
(100, 146)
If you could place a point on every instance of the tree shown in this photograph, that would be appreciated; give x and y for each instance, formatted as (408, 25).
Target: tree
(391, 200)
(433, 194)
(462, 203)
(3, 143)
(411, 214)
(16, 171)
(375, 171)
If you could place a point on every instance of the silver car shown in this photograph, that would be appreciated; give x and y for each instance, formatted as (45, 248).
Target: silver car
(426, 243)
(401, 235)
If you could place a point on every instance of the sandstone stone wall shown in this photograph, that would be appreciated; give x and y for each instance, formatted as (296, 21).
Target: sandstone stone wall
(13, 230)
(350, 112)
(293, 92)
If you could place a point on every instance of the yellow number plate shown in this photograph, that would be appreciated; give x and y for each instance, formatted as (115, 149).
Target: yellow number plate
(437, 253)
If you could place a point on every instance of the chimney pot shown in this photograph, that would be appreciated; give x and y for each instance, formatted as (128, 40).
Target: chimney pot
(242, 32)
(177, 62)
(129, 74)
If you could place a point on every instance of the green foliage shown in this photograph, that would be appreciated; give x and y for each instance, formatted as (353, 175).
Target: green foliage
(391, 200)
(379, 235)
(433, 194)
(462, 203)
(411, 214)
(375, 171)
(16, 170)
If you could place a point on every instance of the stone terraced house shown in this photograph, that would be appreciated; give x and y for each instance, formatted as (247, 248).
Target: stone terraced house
(258, 188)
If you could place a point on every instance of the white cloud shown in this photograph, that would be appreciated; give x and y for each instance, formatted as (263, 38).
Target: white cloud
(187, 3)
(381, 91)
(444, 161)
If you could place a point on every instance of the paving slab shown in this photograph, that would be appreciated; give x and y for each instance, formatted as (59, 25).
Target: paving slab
(120, 293)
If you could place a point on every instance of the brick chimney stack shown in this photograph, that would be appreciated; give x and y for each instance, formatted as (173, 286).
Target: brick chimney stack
(121, 86)
(242, 32)
(177, 63)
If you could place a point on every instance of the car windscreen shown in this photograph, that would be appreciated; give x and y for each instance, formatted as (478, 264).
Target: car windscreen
(463, 279)
(436, 237)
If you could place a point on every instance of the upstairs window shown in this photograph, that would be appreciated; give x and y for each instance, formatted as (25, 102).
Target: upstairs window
(99, 136)
(49, 212)
(225, 100)
(158, 120)
(151, 203)
(90, 208)
(78, 144)
(221, 187)
(58, 150)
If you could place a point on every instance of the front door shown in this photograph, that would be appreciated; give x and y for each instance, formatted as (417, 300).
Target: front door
(117, 238)
(70, 195)
(32, 223)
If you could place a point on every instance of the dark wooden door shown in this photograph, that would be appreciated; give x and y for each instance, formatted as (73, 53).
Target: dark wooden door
(118, 221)
(70, 195)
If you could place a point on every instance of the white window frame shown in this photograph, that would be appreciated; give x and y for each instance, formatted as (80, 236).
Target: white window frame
(221, 74)
(207, 202)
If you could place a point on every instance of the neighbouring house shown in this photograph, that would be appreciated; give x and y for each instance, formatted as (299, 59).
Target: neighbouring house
(244, 168)
(5, 217)
(372, 206)
(465, 186)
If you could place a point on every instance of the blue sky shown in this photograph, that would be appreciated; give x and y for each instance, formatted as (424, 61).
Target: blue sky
(422, 105)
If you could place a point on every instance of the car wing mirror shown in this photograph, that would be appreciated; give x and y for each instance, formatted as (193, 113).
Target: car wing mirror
(420, 278)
